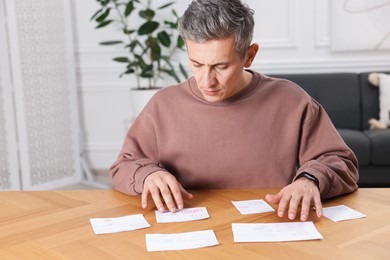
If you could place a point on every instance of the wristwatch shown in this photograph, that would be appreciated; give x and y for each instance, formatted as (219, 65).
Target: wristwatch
(310, 177)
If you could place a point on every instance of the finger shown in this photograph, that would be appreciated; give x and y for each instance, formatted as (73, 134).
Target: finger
(283, 205)
(318, 205)
(274, 199)
(155, 192)
(177, 196)
(305, 208)
(293, 207)
(168, 198)
(144, 198)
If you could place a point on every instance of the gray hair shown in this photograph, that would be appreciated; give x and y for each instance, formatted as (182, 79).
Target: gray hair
(218, 19)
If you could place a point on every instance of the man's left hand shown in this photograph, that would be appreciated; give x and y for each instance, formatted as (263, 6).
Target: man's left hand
(302, 193)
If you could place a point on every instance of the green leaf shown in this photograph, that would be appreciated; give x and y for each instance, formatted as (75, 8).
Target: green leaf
(133, 44)
(129, 71)
(103, 16)
(95, 14)
(121, 59)
(148, 27)
(171, 24)
(166, 5)
(171, 73)
(180, 42)
(103, 2)
(141, 63)
(155, 50)
(155, 54)
(102, 24)
(147, 14)
(129, 8)
(164, 38)
(147, 72)
(110, 42)
(175, 14)
(183, 70)
(126, 31)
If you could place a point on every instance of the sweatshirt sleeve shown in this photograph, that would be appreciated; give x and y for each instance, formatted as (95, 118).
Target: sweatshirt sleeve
(137, 158)
(324, 154)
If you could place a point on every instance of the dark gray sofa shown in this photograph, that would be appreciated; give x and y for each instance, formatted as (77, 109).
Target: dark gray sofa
(351, 101)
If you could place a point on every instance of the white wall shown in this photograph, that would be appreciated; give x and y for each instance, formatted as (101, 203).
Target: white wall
(294, 36)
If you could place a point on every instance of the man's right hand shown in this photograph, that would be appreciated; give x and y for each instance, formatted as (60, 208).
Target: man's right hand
(164, 188)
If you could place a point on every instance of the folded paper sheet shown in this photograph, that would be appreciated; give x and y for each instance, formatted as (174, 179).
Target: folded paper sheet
(252, 206)
(180, 241)
(341, 212)
(188, 214)
(275, 232)
(113, 225)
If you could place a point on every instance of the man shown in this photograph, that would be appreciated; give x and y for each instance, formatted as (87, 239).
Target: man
(230, 127)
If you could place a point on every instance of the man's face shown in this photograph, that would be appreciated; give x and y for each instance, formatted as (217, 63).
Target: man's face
(217, 68)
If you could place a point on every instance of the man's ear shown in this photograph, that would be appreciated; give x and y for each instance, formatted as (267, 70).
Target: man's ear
(251, 54)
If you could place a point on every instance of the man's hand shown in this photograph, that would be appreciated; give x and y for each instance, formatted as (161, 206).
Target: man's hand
(164, 188)
(300, 193)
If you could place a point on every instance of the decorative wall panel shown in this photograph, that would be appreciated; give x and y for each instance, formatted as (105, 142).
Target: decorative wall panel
(322, 30)
(9, 167)
(45, 92)
(5, 175)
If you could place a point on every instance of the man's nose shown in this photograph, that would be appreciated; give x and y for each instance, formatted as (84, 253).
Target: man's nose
(209, 78)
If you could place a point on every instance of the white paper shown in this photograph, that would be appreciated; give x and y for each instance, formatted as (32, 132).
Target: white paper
(113, 225)
(275, 232)
(187, 214)
(180, 241)
(252, 206)
(341, 212)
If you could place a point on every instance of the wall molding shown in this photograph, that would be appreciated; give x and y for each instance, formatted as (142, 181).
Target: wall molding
(301, 65)
(283, 43)
(318, 62)
(322, 23)
(323, 65)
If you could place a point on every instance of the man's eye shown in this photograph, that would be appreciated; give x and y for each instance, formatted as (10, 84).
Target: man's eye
(222, 67)
(197, 65)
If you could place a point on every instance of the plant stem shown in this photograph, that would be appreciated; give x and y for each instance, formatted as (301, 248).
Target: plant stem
(172, 51)
(126, 27)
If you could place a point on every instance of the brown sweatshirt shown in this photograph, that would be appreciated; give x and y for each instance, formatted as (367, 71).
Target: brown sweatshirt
(262, 137)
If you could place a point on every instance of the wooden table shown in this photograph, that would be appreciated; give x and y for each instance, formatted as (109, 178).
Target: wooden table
(55, 225)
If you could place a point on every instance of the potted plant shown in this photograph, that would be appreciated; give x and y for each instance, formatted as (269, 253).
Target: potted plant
(150, 44)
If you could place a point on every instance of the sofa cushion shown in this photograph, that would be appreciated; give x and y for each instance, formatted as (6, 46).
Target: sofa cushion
(338, 93)
(380, 146)
(374, 176)
(359, 144)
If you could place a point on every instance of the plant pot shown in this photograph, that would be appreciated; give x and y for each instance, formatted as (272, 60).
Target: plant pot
(139, 98)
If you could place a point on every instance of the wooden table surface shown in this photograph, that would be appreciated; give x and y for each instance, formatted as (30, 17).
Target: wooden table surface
(55, 225)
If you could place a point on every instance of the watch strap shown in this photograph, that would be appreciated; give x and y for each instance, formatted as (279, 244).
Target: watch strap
(310, 177)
